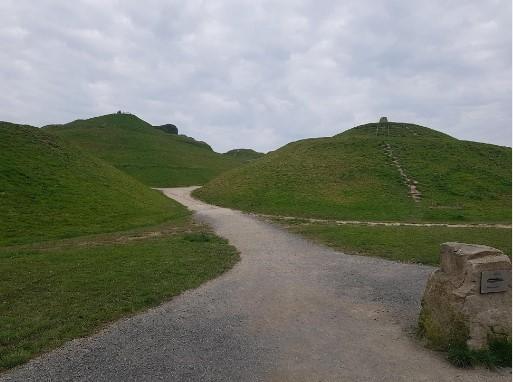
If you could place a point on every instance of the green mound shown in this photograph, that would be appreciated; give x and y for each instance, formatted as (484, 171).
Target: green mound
(352, 176)
(49, 189)
(150, 155)
(244, 154)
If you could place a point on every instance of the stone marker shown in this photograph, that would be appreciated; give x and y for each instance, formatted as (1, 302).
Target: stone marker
(468, 300)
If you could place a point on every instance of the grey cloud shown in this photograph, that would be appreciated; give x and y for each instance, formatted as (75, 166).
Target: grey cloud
(261, 73)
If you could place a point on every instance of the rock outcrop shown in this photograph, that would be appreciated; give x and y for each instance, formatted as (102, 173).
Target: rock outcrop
(468, 300)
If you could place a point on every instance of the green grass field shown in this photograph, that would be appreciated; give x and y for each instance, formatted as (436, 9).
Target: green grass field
(404, 243)
(349, 177)
(49, 190)
(57, 291)
(148, 154)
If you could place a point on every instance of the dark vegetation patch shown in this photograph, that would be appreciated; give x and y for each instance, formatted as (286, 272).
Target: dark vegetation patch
(168, 128)
(498, 355)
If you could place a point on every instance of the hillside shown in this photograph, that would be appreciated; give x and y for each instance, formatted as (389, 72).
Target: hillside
(151, 155)
(50, 190)
(244, 155)
(396, 172)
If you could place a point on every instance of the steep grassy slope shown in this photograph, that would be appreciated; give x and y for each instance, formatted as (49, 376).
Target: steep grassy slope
(244, 155)
(152, 156)
(51, 190)
(350, 176)
(58, 280)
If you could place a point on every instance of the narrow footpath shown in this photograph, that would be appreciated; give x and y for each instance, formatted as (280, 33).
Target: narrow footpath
(413, 191)
(290, 310)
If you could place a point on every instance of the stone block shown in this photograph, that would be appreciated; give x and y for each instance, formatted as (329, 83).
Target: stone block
(453, 307)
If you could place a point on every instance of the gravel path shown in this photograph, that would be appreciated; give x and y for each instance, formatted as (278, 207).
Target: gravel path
(290, 310)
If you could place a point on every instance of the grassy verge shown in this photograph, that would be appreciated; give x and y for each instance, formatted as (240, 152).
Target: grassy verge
(403, 243)
(53, 292)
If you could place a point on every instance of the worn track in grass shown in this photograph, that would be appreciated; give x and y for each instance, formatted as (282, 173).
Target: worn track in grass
(291, 310)
(386, 224)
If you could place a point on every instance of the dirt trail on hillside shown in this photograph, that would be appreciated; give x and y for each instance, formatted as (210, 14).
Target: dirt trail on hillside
(413, 191)
(387, 224)
(290, 310)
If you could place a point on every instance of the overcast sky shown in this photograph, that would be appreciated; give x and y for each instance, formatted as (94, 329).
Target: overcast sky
(260, 74)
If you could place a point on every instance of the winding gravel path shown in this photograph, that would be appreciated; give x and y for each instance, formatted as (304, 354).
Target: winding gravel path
(290, 310)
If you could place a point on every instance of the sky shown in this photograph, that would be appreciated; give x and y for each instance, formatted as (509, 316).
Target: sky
(261, 73)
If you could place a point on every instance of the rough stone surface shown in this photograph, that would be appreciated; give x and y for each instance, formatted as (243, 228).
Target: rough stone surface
(453, 307)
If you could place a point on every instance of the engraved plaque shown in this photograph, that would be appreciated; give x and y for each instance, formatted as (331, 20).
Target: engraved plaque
(495, 281)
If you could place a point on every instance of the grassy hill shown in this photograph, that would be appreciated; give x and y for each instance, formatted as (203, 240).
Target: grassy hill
(83, 244)
(50, 190)
(244, 155)
(353, 176)
(150, 155)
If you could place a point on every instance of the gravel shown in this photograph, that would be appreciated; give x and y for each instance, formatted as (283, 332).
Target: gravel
(290, 310)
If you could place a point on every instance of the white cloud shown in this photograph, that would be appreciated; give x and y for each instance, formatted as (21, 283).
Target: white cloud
(261, 73)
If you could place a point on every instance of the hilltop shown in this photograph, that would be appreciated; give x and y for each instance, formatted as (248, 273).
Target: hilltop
(150, 154)
(244, 154)
(49, 189)
(374, 172)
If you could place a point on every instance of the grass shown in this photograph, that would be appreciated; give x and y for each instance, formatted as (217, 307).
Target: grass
(403, 243)
(498, 355)
(50, 190)
(150, 155)
(244, 155)
(83, 243)
(56, 291)
(349, 177)
(58, 284)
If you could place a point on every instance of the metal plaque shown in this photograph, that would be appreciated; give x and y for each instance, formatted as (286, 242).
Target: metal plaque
(495, 281)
